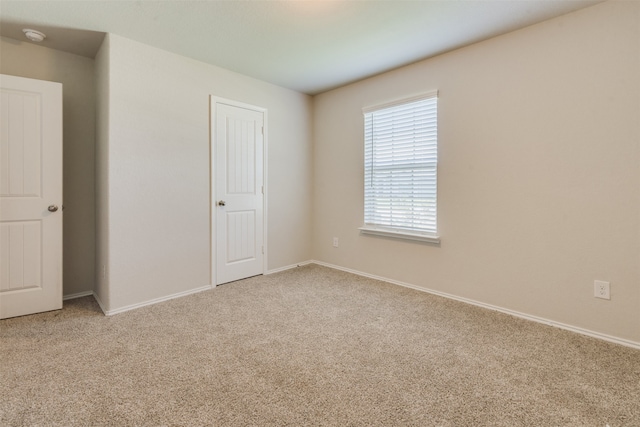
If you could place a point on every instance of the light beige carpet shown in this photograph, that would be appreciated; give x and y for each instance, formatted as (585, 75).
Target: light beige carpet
(309, 346)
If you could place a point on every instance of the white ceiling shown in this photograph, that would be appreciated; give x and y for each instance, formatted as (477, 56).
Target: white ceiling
(309, 46)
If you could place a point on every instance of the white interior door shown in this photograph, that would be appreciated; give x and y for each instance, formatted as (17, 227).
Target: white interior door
(30, 196)
(238, 202)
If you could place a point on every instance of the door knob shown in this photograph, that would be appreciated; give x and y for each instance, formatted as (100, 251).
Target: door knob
(52, 208)
(221, 203)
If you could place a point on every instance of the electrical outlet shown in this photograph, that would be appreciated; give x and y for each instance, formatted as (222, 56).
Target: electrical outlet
(601, 289)
(335, 242)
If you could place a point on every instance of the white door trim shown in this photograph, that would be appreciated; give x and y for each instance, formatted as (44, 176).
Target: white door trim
(213, 102)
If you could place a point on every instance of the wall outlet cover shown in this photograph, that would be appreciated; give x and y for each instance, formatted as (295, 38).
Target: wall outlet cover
(601, 289)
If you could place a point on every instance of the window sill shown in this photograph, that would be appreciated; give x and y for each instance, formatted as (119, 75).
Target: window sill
(400, 234)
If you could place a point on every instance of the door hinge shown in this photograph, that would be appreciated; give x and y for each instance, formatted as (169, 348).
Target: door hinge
(263, 250)
(263, 130)
(262, 189)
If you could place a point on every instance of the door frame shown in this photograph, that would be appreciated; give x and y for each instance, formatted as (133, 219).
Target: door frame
(213, 211)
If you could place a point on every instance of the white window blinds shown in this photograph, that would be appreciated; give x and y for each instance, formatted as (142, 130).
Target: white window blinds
(401, 147)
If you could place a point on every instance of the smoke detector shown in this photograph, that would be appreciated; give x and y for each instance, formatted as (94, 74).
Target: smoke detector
(33, 35)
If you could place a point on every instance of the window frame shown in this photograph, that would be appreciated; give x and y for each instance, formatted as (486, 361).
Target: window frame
(387, 230)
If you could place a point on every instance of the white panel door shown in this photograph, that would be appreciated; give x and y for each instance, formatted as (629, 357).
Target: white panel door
(30, 196)
(238, 183)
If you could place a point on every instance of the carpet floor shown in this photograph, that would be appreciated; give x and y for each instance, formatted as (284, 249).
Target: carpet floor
(309, 346)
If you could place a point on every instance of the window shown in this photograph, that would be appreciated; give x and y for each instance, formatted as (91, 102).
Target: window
(400, 168)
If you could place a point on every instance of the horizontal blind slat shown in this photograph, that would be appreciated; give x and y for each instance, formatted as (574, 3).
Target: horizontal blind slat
(401, 166)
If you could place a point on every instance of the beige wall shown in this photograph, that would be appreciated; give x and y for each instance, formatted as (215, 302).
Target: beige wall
(154, 158)
(539, 172)
(76, 75)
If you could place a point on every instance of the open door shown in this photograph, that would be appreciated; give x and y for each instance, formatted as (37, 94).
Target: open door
(30, 196)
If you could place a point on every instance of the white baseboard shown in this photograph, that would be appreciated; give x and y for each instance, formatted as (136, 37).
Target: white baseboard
(77, 295)
(576, 329)
(178, 295)
(153, 301)
(288, 267)
(99, 301)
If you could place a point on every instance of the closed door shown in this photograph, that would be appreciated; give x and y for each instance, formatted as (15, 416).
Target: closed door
(30, 196)
(238, 202)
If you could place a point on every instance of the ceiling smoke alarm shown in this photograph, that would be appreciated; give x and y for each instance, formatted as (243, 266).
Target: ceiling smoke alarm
(33, 35)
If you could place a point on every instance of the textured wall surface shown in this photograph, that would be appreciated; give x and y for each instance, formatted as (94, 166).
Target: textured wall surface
(157, 179)
(539, 171)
